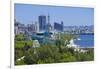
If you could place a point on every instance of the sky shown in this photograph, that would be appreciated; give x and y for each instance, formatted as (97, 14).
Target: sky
(71, 16)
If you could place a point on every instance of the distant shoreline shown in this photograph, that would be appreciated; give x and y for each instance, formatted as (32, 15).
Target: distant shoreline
(86, 47)
(85, 34)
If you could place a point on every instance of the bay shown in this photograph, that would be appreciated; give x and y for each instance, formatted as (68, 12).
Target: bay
(85, 40)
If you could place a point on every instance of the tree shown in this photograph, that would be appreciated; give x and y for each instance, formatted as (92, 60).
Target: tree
(20, 37)
(67, 57)
(30, 57)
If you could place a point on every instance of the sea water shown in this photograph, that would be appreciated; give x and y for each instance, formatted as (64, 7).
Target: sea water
(85, 40)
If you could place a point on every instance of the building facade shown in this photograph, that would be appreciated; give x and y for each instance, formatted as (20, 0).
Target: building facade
(42, 22)
(58, 27)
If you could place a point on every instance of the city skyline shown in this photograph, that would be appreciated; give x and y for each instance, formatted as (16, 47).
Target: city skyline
(71, 16)
(53, 34)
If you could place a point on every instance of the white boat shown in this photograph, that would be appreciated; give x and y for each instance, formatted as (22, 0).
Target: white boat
(78, 39)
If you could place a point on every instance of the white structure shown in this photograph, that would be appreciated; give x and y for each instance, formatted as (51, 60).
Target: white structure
(35, 43)
(21, 58)
(16, 30)
(72, 44)
(76, 47)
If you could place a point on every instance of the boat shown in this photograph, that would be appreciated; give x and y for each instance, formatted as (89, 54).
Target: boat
(78, 39)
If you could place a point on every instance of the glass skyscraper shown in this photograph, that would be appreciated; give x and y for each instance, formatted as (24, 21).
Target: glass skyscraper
(42, 22)
(58, 27)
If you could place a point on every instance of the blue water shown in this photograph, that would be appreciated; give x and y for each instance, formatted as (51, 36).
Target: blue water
(85, 40)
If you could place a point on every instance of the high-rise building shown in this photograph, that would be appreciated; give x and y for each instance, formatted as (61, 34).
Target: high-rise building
(18, 28)
(48, 19)
(58, 27)
(42, 22)
(36, 27)
(48, 25)
(62, 25)
(31, 28)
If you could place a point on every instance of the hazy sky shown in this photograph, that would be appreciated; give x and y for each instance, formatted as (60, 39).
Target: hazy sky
(28, 13)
